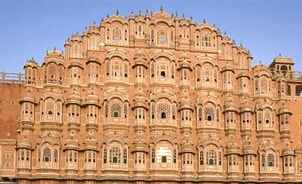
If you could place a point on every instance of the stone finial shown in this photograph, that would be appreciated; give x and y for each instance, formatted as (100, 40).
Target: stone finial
(161, 8)
(117, 12)
(204, 21)
(31, 60)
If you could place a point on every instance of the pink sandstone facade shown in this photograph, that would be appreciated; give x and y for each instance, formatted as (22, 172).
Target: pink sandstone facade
(151, 99)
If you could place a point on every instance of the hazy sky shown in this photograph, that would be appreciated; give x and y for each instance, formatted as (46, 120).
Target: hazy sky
(30, 27)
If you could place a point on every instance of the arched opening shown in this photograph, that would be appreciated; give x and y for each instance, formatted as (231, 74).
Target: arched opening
(163, 74)
(115, 155)
(55, 155)
(164, 111)
(164, 159)
(211, 157)
(117, 35)
(284, 68)
(164, 153)
(270, 160)
(162, 37)
(115, 111)
(209, 114)
(46, 155)
(163, 115)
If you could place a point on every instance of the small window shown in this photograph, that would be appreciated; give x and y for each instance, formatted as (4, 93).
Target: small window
(116, 110)
(162, 38)
(164, 159)
(163, 74)
(163, 115)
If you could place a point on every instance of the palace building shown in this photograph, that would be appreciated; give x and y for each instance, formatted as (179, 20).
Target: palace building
(151, 98)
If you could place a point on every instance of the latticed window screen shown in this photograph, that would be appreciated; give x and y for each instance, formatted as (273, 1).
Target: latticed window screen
(211, 157)
(115, 155)
(46, 155)
(115, 110)
(164, 110)
(270, 160)
(117, 34)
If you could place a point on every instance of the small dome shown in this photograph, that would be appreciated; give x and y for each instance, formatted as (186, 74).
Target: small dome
(54, 53)
(31, 63)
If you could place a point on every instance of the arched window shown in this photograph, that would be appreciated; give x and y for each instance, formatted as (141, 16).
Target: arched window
(126, 70)
(208, 75)
(198, 73)
(115, 111)
(172, 70)
(22, 155)
(163, 115)
(267, 116)
(152, 110)
(46, 155)
(126, 109)
(164, 154)
(125, 156)
(27, 155)
(55, 155)
(211, 157)
(206, 41)
(152, 69)
(115, 155)
(105, 155)
(116, 69)
(270, 160)
(162, 37)
(201, 159)
(51, 72)
(164, 110)
(264, 86)
(217, 114)
(199, 113)
(153, 155)
(163, 74)
(50, 107)
(257, 86)
(152, 36)
(209, 114)
(117, 35)
(259, 116)
(263, 160)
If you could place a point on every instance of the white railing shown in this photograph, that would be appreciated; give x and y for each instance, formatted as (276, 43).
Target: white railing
(11, 77)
